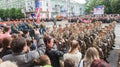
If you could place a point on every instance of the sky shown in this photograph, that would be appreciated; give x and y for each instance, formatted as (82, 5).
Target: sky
(81, 1)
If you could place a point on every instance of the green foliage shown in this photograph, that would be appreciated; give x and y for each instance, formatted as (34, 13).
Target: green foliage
(1, 13)
(115, 4)
(111, 6)
(11, 13)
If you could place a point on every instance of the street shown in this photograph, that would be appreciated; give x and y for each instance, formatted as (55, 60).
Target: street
(113, 57)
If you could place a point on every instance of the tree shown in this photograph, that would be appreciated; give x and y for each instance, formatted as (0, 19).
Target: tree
(5, 14)
(115, 5)
(12, 13)
(1, 13)
(111, 6)
(19, 14)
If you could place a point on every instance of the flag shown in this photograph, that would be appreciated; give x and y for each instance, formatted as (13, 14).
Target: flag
(37, 11)
(37, 8)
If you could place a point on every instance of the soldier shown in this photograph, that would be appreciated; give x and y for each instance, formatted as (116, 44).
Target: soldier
(66, 27)
(112, 34)
(31, 28)
(81, 40)
(42, 27)
(66, 35)
(14, 28)
(53, 32)
(108, 37)
(23, 25)
(54, 21)
(87, 38)
(59, 36)
(48, 32)
(98, 44)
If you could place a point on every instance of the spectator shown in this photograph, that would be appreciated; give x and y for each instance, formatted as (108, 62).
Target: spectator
(52, 52)
(6, 33)
(1, 32)
(8, 64)
(31, 44)
(90, 55)
(19, 48)
(6, 47)
(1, 39)
(44, 61)
(73, 53)
(26, 34)
(0, 60)
(69, 63)
(14, 36)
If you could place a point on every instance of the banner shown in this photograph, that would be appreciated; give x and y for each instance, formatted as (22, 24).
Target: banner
(99, 10)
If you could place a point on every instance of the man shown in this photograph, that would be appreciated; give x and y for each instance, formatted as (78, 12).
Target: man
(6, 31)
(55, 20)
(42, 27)
(44, 61)
(14, 28)
(19, 49)
(69, 63)
(98, 43)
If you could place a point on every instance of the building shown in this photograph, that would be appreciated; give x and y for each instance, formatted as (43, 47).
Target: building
(49, 8)
(7, 4)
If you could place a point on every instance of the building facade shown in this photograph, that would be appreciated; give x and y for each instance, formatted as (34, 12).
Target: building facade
(49, 8)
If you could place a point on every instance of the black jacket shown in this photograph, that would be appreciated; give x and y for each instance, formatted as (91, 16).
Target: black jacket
(54, 56)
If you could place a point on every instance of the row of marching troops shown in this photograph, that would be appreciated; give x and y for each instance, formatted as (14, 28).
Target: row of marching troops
(23, 25)
(87, 34)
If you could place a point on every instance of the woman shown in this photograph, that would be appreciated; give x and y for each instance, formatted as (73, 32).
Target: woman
(74, 52)
(52, 52)
(90, 55)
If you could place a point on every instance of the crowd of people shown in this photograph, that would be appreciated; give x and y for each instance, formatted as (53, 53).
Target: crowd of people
(30, 44)
(93, 18)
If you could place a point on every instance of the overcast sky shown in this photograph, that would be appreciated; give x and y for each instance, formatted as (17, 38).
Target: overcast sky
(80, 1)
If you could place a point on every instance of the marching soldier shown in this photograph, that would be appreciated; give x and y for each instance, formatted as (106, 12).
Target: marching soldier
(87, 38)
(98, 44)
(31, 28)
(48, 32)
(81, 41)
(54, 32)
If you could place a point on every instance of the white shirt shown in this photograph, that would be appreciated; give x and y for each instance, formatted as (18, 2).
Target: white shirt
(76, 57)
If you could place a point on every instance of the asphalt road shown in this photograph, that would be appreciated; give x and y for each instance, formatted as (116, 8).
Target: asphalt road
(113, 57)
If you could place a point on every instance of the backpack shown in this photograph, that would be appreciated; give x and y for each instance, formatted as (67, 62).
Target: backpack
(99, 63)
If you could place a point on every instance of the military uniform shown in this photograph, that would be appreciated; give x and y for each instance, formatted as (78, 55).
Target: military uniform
(31, 30)
(82, 42)
(98, 44)
(14, 28)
